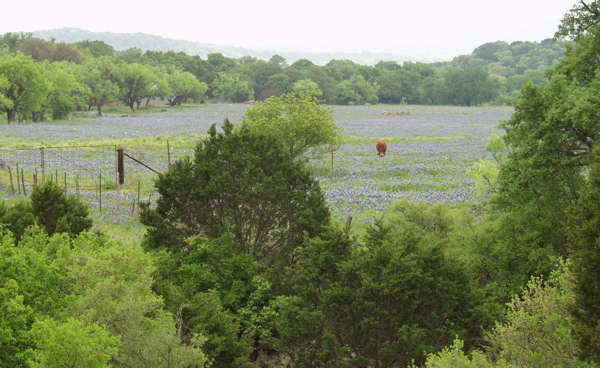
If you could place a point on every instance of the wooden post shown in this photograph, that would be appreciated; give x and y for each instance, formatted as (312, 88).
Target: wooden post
(77, 183)
(120, 166)
(100, 192)
(18, 182)
(168, 155)
(42, 164)
(23, 181)
(12, 185)
(65, 183)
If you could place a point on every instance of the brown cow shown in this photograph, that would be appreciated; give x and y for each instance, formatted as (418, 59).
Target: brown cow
(381, 148)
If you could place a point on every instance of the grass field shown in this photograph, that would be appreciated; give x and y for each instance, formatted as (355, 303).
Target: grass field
(430, 149)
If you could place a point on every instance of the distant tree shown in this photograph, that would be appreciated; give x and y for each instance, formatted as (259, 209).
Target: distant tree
(5, 102)
(184, 86)
(50, 51)
(67, 89)
(470, 86)
(357, 91)
(306, 85)
(232, 87)
(137, 82)
(388, 65)
(306, 69)
(278, 84)
(101, 77)
(95, 48)
(219, 63)
(341, 70)
(261, 72)
(278, 60)
(131, 55)
(399, 86)
(24, 86)
(299, 122)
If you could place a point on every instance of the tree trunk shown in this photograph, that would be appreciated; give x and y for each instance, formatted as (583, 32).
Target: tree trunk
(10, 116)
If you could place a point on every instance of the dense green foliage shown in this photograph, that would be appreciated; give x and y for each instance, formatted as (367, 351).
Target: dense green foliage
(241, 262)
(50, 208)
(92, 73)
(242, 183)
(586, 261)
(300, 123)
(384, 302)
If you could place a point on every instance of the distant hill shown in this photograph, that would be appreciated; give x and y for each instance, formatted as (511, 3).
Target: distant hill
(124, 41)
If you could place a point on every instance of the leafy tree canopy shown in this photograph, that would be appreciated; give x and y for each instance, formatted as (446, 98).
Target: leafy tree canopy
(242, 183)
(299, 122)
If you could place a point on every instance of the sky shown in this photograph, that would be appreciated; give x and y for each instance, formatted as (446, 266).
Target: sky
(309, 25)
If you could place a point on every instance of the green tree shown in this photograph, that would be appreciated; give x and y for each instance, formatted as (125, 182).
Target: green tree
(57, 212)
(584, 234)
(399, 86)
(95, 48)
(136, 82)
(24, 88)
(455, 357)
(381, 303)
(50, 51)
(101, 80)
(306, 85)
(72, 344)
(209, 285)
(357, 91)
(232, 87)
(299, 122)
(48, 207)
(111, 285)
(537, 327)
(15, 320)
(184, 86)
(67, 90)
(241, 183)
(470, 86)
(17, 217)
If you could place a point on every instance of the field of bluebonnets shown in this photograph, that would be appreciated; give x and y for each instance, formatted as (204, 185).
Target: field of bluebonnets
(430, 149)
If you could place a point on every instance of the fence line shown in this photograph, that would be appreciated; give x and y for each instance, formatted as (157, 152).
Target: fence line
(94, 173)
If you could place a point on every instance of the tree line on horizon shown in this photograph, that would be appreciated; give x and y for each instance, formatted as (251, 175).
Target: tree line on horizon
(57, 78)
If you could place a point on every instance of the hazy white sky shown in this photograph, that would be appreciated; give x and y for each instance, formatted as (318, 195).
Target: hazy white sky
(309, 25)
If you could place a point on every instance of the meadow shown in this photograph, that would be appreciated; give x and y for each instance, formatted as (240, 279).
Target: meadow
(430, 149)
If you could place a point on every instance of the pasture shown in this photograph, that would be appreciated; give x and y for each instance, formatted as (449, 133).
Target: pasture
(429, 150)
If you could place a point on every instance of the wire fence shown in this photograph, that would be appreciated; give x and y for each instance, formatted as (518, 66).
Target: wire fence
(76, 168)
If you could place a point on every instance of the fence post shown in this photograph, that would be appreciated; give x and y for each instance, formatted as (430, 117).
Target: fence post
(168, 155)
(100, 191)
(42, 164)
(65, 183)
(120, 166)
(18, 182)
(77, 183)
(12, 186)
(23, 181)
